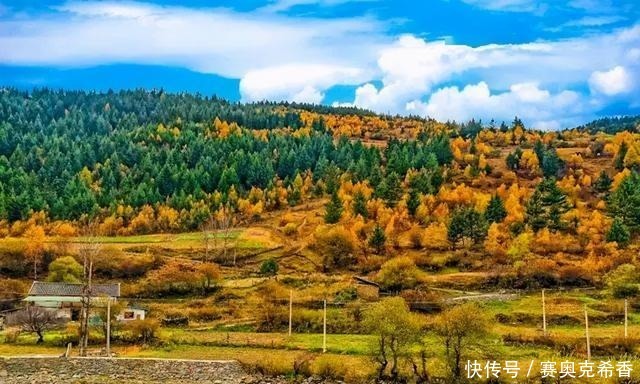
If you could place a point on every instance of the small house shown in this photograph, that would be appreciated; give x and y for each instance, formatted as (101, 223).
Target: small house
(131, 313)
(66, 298)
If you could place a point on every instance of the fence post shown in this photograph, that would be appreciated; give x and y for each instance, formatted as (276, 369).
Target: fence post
(109, 326)
(586, 328)
(544, 316)
(290, 309)
(324, 328)
(626, 318)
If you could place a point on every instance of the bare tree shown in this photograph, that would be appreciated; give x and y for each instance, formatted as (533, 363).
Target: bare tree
(208, 234)
(88, 251)
(35, 320)
(225, 222)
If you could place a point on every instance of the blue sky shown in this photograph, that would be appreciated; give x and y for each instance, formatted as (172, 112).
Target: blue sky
(553, 63)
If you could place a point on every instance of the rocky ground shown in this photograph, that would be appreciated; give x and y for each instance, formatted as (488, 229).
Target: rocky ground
(132, 371)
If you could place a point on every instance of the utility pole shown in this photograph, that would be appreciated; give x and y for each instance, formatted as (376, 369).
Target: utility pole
(324, 328)
(586, 328)
(290, 309)
(544, 316)
(89, 252)
(626, 318)
(109, 326)
(86, 307)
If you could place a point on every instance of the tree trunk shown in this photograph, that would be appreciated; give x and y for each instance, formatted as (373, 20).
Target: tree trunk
(40, 337)
(383, 359)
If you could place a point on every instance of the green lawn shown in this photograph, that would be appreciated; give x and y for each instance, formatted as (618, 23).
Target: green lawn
(341, 344)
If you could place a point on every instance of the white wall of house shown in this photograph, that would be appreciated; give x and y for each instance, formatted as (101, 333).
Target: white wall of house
(130, 314)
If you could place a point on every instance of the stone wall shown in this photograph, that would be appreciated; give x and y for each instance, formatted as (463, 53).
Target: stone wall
(122, 370)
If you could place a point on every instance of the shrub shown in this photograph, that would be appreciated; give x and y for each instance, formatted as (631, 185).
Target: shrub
(65, 269)
(175, 321)
(290, 229)
(142, 331)
(302, 365)
(205, 314)
(338, 247)
(269, 267)
(623, 281)
(398, 274)
(347, 294)
(625, 290)
(329, 367)
(270, 366)
(12, 335)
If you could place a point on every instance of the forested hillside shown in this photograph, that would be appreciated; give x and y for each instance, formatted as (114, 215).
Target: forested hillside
(75, 155)
(213, 215)
(139, 162)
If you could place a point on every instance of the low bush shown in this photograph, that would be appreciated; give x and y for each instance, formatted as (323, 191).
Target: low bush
(329, 367)
(12, 335)
(290, 229)
(175, 321)
(205, 314)
(271, 366)
(141, 331)
(269, 267)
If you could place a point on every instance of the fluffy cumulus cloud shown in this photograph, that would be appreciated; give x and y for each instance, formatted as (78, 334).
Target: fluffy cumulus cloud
(409, 69)
(612, 82)
(296, 82)
(539, 107)
(278, 55)
(515, 79)
(219, 41)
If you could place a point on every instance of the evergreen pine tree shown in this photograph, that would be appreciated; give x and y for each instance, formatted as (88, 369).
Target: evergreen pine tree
(359, 206)
(546, 207)
(413, 202)
(624, 202)
(550, 163)
(603, 183)
(622, 153)
(513, 159)
(467, 223)
(377, 239)
(619, 233)
(334, 209)
(391, 189)
(496, 211)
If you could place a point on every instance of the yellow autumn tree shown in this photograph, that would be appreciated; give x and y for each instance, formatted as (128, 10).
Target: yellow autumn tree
(34, 237)
(619, 177)
(632, 158)
(497, 239)
(435, 237)
(530, 162)
(167, 218)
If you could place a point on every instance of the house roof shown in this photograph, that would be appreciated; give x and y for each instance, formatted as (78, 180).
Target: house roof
(364, 281)
(40, 288)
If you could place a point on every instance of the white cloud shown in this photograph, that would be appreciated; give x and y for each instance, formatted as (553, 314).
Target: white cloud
(284, 5)
(594, 21)
(612, 82)
(296, 82)
(214, 40)
(282, 57)
(510, 5)
(539, 107)
(412, 67)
